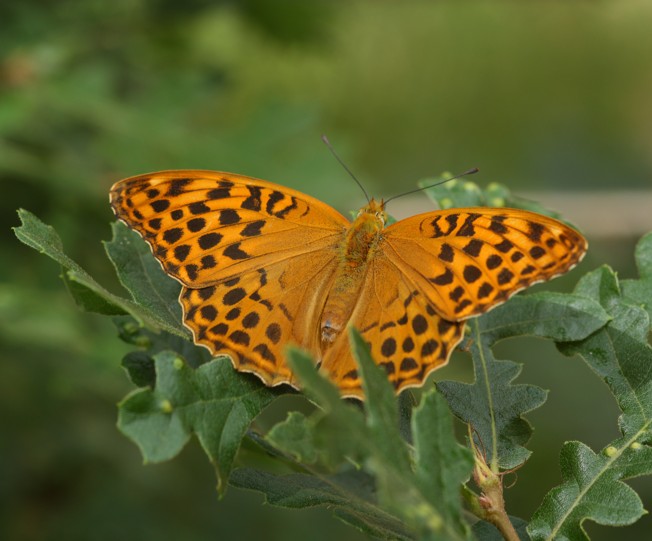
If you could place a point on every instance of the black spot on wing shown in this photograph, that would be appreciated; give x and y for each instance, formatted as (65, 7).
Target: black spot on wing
(173, 235)
(196, 224)
(282, 213)
(419, 324)
(388, 348)
(198, 207)
(273, 332)
(467, 229)
(408, 364)
(253, 201)
(218, 193)
(181, 252)
(473, 247)
(177, 186)
(234, 252)
(496, 224)
(229, 217)
(160, 205)
(253, 229)
(446, 253)
(494, 261)
(537, 252)
(536, 230)
(443, 279)
(192, 271)
(206, 292)
(251, 320)
(209, 240)
(485, 290)
(471, 273)
(505, 276)
(208, 312)
(234, 296)
(456, 294)
(504, 246)
(274, 198)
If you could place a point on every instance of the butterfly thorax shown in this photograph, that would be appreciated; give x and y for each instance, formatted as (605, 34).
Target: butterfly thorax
(355, 252)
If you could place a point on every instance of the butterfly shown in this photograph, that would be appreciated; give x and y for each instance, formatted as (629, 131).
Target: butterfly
(263, 266)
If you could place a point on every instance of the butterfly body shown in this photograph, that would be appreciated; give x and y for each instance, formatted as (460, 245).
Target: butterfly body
(263, 266)
(358, 248)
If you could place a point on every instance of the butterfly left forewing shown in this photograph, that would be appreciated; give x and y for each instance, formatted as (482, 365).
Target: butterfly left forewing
(466, 261)
(207, 226)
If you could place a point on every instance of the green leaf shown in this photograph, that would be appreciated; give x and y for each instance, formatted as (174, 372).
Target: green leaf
(87, 299)
(140, 364)
(488, 532)
(461, 193)
(212, 401)
(295, 437)
(142, 275)
(400, 489)
(619, 353)
(493, 406)
(154, 342)
(87, 291)
(338, 428)
(592, 487)
(457, 193)
(442, 465)
(342, 493)
(377, 443)
(499, 195)
(141, 368)
(591, 490)
(639, 292)
(315, 386)
(381, 407)
(557, 316)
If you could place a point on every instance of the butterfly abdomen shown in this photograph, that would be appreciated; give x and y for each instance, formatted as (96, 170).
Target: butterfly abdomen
(357, 250)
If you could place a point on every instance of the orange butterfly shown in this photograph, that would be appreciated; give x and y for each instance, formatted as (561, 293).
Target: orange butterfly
(263, 266)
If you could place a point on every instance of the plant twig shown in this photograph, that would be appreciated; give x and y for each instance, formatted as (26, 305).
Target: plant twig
(490, 505)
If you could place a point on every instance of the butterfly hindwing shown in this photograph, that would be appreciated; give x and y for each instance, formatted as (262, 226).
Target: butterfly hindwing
(253, 317)
(407, 336)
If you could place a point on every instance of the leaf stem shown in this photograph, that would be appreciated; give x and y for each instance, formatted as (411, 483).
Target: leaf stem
(490, 505)
(485, 377)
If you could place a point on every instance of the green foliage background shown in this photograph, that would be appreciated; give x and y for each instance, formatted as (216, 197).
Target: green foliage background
(539, 96)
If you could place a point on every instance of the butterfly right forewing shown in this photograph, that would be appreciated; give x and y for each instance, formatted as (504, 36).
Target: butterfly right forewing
(468, 261)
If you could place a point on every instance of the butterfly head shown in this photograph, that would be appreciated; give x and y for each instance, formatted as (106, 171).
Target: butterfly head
(373, 215)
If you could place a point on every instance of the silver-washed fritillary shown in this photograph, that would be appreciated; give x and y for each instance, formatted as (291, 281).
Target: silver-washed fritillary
(263, 266)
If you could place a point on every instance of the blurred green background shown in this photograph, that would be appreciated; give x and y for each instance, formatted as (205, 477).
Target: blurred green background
(542, 96)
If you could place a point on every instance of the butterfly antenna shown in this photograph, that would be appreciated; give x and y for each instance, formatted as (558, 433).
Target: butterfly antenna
(330, 147)
(469, 172)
